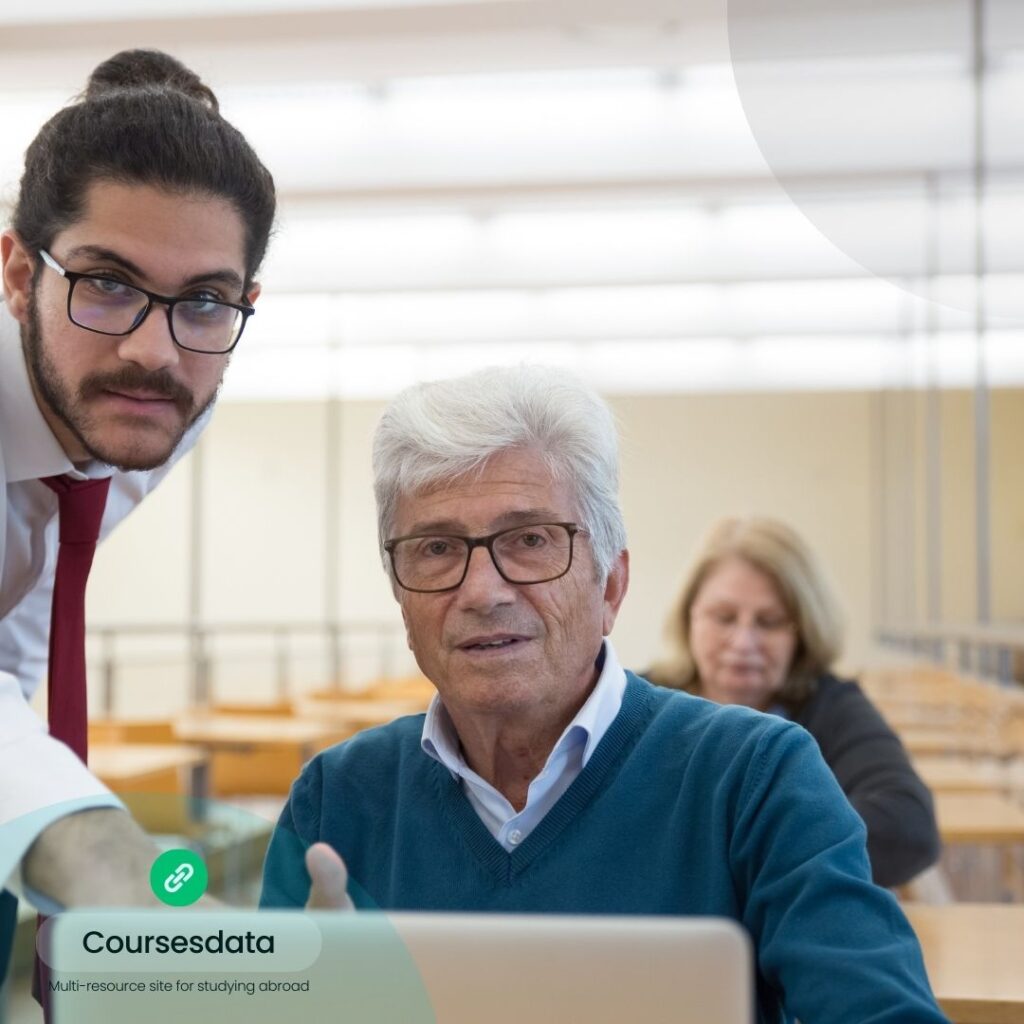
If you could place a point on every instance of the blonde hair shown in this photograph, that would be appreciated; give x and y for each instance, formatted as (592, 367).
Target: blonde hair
(774, 549)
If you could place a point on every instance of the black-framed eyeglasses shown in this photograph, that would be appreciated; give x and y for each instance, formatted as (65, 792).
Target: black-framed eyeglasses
(107, 305)
(431, 563)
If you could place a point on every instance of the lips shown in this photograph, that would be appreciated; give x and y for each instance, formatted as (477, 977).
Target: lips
(743, 667)
(145, 406)
(493, 642)
(142, 396)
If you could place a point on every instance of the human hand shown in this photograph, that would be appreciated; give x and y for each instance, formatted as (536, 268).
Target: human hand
(329, 879)
(99, 857)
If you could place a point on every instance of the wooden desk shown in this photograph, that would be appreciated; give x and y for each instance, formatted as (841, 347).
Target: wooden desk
(979, 818)
(974, 954)
(923, 741)
(915, 716)
(359, 712)
(243, 732)
(985, 820)
(256, 753)
(133, 767)
(960, 774)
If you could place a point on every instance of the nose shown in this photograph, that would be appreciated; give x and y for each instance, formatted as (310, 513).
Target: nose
(484, 588)
(744, 635)
(150, 345)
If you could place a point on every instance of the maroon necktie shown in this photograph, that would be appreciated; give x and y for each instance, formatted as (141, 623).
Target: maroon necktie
(80, 504)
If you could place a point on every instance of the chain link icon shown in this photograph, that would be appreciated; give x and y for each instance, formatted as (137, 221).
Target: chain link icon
(174, 881)
(178, 877)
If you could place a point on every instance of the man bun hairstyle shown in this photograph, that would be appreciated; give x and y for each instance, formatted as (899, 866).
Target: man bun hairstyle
(144, 118)
(139, 69)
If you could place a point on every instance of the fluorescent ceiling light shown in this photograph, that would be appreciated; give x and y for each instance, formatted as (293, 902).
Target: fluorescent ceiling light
(488, 317)
(900, 237)
(54, 11)
(641, 366)
(553, 247)
(587, 315)
(502, 129)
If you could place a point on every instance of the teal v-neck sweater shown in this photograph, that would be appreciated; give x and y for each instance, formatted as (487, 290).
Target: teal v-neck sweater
(685, 807)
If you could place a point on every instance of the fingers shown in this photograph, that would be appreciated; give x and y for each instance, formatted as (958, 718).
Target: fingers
(328, 877)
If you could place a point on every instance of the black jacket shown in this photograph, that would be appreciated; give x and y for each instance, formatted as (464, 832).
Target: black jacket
(874, 772)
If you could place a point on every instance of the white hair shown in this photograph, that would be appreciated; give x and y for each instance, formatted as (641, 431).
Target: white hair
(445, 429)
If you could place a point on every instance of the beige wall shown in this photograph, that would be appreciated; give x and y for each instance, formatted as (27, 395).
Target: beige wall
(811, 459)
(690, 459)
(1008, 505)
(906, 522)
(959, 581)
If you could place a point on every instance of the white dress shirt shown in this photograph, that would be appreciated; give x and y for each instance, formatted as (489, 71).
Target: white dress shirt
(41, 780)
(567, 759)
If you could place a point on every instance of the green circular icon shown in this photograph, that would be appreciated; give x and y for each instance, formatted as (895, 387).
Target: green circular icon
(178, 877)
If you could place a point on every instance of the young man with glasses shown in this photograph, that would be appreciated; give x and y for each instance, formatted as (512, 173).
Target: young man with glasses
(543, 777)
(128, 274)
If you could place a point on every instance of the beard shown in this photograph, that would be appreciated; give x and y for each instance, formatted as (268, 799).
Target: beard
(129, 451)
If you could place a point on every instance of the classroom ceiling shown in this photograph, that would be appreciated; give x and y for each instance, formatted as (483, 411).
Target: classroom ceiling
(481, 176)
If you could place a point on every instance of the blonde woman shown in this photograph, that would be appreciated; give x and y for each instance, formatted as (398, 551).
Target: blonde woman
(757, 624)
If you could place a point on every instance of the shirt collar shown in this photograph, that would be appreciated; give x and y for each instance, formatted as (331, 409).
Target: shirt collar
(32, 452)
(441, 742)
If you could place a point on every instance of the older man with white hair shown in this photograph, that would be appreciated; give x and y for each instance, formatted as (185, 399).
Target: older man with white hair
(544, 777)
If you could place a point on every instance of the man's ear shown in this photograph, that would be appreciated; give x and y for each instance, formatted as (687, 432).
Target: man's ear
(615, 588)
(253, 293)
(405, 621)
(18, 267)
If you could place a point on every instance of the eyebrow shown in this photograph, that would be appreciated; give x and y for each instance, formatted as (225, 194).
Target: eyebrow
(507, 519)
(224, 275)
(729, 604)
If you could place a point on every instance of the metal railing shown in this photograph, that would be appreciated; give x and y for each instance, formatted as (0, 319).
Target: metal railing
(337, 641)
(992, 651)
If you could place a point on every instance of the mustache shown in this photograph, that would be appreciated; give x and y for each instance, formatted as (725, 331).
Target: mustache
(465, 629)
(135, 378)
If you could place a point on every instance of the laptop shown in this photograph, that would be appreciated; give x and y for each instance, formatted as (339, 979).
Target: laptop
(547, 969)
(404, 968)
